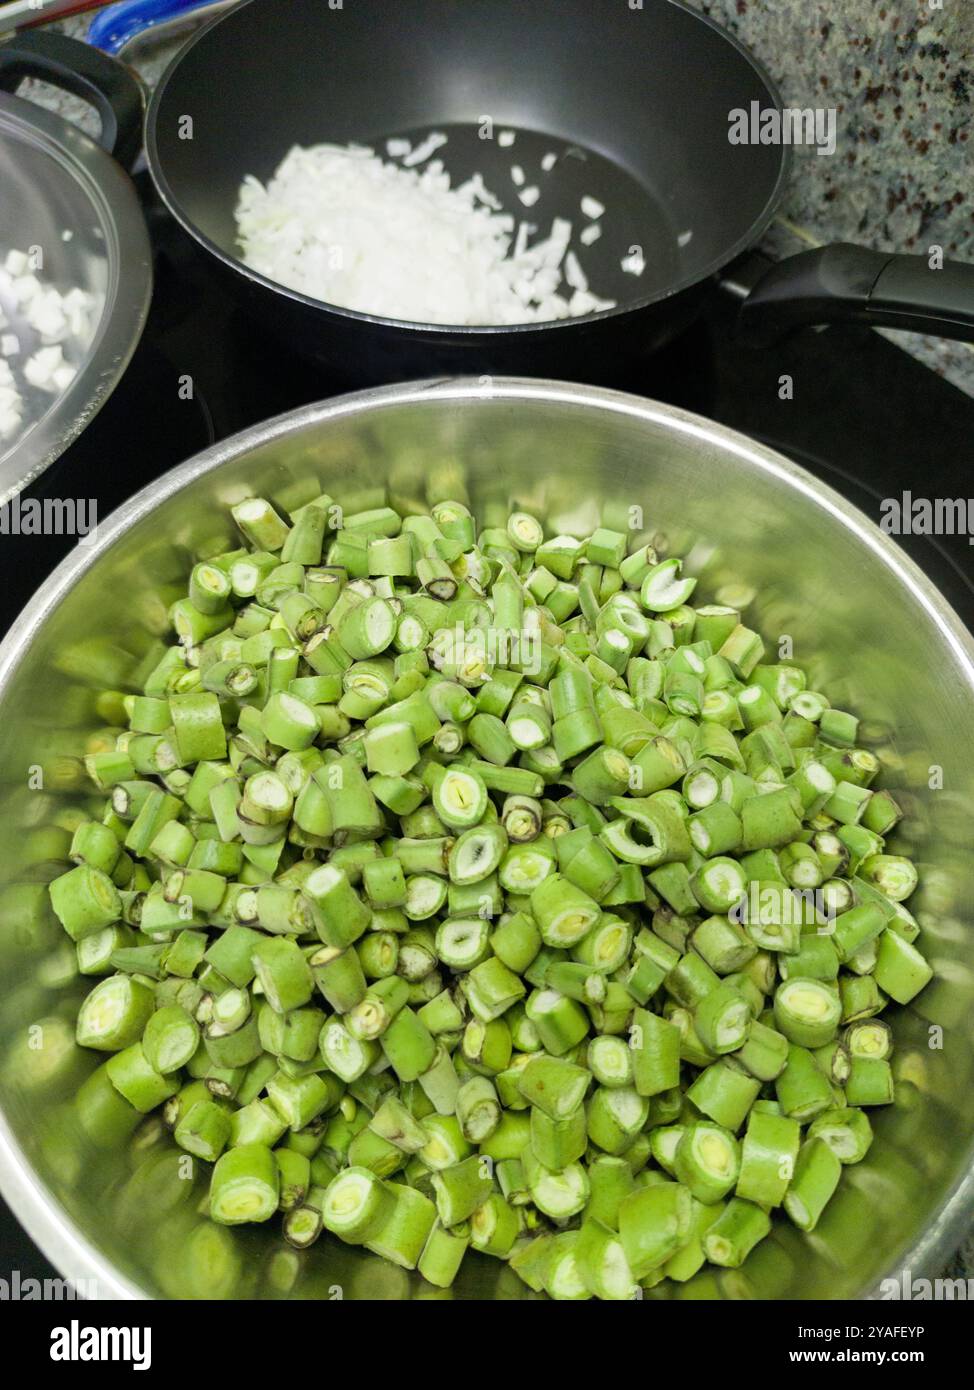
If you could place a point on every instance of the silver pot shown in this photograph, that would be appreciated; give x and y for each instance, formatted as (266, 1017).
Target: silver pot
(68, 197)
(860, 616)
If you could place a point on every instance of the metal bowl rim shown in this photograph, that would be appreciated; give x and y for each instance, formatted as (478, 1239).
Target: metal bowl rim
(35, 1207)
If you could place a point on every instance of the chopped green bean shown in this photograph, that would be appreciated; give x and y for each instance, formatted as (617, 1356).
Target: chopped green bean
(583, 940)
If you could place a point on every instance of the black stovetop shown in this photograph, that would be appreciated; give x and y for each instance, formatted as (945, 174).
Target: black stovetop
(865, 417)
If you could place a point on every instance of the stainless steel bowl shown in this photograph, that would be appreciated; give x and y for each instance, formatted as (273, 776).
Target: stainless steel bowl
(870, 628)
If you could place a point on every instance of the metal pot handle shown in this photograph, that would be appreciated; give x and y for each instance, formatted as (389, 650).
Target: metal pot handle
(852, 284)
(111, 88)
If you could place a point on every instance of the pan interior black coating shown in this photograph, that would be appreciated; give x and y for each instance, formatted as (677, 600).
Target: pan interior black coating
(644, 93)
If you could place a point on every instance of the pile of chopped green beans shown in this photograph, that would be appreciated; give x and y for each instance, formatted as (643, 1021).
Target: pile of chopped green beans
(465, 889)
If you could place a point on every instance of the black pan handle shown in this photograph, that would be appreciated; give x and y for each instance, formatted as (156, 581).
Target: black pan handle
(851, 284)
(111, 88)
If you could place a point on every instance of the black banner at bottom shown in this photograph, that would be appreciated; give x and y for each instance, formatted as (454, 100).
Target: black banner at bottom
(142, 1337)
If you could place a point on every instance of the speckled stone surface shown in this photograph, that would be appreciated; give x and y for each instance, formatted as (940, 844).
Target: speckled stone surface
(901, 78)
(900, 75)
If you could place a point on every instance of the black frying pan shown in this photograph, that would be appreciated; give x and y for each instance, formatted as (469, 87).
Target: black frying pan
(636, 100)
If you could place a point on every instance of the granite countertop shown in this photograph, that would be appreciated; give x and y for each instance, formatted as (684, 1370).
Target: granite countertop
(900, 75)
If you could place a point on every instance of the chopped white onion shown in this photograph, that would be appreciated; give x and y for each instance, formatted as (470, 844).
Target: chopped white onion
(582, 302)
(10, 420)
(41, 323)
(40, 369)
(64, 375)
(574, 273)
(25, 287)
(475, 186)
(423, 151)
(340, 225)
(524, 231)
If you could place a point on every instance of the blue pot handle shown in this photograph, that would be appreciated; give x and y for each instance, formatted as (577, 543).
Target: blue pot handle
(114, 27)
